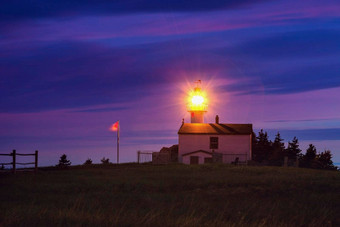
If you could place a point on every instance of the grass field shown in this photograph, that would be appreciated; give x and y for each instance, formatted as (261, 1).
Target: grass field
(171, 195)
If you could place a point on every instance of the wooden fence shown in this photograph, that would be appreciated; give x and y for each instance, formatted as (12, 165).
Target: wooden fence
(14, 162)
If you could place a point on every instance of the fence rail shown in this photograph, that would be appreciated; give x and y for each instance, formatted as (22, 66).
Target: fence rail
(24, 154)
(14, 162)
(8, 163)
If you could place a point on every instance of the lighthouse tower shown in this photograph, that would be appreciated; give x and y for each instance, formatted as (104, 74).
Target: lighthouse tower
(197, 104)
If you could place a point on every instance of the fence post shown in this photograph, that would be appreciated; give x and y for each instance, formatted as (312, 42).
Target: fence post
(138, 157)
(36, 162)
(14, 154)
(285, 162)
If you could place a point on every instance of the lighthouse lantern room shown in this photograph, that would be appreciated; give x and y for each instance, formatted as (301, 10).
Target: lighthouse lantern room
(197, 104)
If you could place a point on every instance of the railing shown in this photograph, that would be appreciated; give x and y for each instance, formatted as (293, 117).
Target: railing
(199, 107)
(14, 162)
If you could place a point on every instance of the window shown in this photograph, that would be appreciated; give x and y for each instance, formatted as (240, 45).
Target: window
(213, 142)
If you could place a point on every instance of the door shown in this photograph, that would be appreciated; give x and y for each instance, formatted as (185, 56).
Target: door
(193, 160)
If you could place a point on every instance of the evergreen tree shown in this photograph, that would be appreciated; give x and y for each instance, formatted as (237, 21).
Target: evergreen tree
(278, 144)
(325, 158)
(310, 153)
(293, 149)
(307, 160)
(63, 162)
(278, 150)
(262, 148)
(88, 162)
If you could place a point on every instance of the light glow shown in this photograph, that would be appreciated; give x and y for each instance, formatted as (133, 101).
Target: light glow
(197, 100)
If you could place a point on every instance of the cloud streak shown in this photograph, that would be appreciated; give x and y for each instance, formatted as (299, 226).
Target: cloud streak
(79, 74)
(17, 9)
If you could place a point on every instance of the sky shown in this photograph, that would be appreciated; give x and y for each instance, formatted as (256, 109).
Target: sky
(70, 69)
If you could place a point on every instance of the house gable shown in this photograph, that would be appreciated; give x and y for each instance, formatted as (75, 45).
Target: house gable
(196, 152)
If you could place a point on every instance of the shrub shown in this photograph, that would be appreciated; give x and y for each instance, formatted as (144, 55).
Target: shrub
(105, 160)
(88, 162)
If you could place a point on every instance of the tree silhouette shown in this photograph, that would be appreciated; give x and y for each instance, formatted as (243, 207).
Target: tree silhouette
(278, 150)
(308, 159)
(278, 142)
(105, 160)
(325, 159)
(88, 162)
(293, 149)
(272, 153)
(310, 153)
(63, 162)
(262, 148)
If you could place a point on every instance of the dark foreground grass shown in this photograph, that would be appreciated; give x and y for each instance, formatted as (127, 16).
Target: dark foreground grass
(172, 195)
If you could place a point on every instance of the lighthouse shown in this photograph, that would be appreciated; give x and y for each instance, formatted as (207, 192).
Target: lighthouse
(200, 142)
(197, 106)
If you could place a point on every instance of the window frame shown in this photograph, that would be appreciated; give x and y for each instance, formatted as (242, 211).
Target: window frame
(213, 144)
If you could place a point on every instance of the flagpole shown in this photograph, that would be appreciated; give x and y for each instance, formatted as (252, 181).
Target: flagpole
(118, 143)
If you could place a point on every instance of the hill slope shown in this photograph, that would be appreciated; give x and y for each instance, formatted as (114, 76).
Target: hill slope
(171, 195)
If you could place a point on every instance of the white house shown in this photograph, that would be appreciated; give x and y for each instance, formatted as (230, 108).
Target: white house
(200, 142)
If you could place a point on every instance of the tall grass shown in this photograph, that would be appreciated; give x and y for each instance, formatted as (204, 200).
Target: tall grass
(172, 195)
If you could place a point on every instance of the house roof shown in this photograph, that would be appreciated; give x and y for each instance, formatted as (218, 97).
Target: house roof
(216, 129)
(193, 152)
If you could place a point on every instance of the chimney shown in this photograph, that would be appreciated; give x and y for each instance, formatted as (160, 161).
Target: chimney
(217, 119)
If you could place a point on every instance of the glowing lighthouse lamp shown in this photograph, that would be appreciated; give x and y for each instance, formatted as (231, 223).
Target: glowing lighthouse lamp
(197, 104)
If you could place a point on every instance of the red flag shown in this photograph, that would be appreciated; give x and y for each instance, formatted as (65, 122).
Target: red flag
(115, 126)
